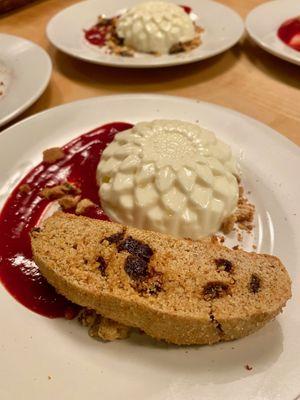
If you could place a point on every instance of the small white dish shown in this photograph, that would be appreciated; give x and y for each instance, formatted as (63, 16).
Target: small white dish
(25, 71)
(223, 29)
(262, 24)
(34, 347)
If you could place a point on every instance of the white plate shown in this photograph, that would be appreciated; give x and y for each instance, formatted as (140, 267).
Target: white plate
(33, 347)
(223, 29)
(25, 69)
(263, 22)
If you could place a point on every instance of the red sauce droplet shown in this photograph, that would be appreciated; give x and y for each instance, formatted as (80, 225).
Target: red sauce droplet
(22, 210)
(96, 36)
(187, 9)
(289, 33)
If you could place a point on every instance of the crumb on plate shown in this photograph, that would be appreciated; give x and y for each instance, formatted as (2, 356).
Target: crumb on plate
(53, 154)
(24, 188)
(83, 205)
(58, 191)
(68, 201)
(102, 328)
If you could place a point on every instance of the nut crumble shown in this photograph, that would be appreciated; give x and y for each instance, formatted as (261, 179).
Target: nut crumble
(58, 191)
(102, 328)
(53, 154)
(83, 205)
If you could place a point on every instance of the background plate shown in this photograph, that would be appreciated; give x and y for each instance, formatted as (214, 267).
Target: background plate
(26, 69)
(223, 29)
(34, 348)
(263, 22)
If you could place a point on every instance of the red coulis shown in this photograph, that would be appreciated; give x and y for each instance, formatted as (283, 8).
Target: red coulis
(289, 33)
(96, 36)
(187, 9)
(21, 212)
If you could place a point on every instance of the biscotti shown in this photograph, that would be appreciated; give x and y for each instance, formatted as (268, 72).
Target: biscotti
(181, 291)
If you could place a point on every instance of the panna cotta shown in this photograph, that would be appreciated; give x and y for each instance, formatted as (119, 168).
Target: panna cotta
(168, 176)
(155, 27)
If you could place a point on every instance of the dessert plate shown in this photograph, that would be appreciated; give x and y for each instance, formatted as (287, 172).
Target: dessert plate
(223, 29)
(25, 70)
(262, 24)
(48, 358)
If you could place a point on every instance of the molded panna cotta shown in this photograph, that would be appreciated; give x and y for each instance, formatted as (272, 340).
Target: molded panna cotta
(168, 176)
(155, 26)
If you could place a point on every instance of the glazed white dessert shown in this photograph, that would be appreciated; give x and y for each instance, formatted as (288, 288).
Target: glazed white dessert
(155, 26)
(168, 176)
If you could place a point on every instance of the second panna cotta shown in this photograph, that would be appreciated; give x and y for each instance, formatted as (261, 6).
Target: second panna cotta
(168, 176)
(155, 27)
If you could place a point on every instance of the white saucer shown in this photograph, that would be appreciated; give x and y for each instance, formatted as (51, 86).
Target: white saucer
(25, 69)
(34, 347)
(263, 22)
(223, 29)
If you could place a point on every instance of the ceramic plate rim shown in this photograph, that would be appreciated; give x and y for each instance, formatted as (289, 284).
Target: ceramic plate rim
(145, 95)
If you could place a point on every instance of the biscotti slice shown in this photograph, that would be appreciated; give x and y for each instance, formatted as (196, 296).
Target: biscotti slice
(182, 291)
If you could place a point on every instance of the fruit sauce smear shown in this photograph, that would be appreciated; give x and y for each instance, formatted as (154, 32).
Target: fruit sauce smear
(23, 209)
(289, 33)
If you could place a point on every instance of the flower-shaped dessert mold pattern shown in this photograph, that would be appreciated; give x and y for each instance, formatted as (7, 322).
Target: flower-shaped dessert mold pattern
(168, 176)
(155, 26)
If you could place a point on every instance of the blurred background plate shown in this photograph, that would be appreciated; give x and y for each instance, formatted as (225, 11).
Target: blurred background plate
(223, 29)
(262, 24)
(25, 71)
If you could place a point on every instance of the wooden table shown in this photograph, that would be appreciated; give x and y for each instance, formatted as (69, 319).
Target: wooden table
(244, 78)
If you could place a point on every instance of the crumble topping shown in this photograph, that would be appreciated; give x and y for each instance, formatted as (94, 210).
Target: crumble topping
(188, 46)
(58, 191)
(53, 154)
(68, 201)
(83, 205)
(228, 224)
(24, 188)
(102, 328)
(243, 216)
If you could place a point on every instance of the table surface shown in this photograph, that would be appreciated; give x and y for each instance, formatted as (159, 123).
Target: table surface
(245, 78)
